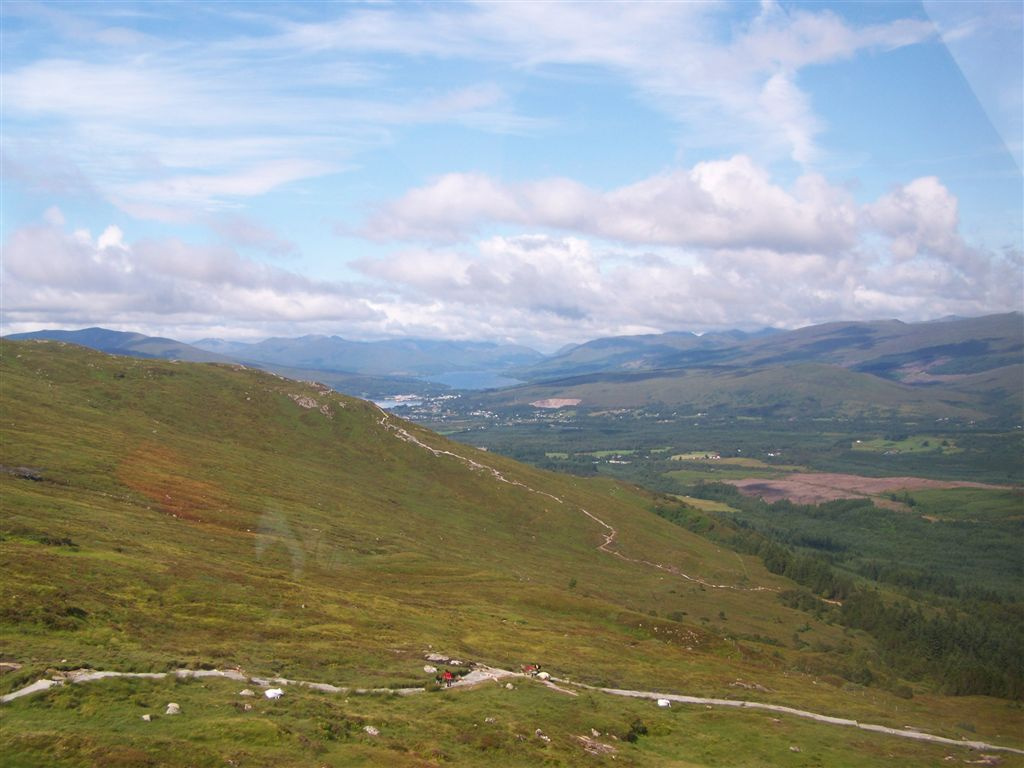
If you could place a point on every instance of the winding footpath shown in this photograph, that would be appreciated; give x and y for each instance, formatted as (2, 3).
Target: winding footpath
(610, 535)
(482, 673)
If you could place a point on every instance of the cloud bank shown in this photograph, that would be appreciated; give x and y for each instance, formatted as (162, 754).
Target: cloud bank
(730, 203)
(747, 254)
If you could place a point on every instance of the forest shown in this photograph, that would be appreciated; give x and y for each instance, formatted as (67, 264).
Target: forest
(963, 635)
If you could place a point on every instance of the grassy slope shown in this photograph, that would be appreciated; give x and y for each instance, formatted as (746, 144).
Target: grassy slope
(803, 388)
(195, 514)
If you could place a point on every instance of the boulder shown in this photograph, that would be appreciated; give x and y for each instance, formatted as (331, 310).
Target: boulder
(173, 709)
(247, 692)
(429, 669)
(371, 731)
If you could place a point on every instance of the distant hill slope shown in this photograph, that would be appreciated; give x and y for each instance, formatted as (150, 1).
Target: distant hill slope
(889, 348)
(140, 345)
(397, 357)
(959, 368)
(123, 343)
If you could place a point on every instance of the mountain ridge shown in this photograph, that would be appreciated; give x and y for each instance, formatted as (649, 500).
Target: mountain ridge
(966, 368)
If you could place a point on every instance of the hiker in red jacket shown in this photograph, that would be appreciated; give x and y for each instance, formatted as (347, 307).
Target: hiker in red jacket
(448, 677)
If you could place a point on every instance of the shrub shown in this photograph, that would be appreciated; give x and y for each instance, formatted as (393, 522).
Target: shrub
(636, 730)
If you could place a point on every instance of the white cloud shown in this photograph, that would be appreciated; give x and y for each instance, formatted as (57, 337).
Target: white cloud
(204, 190)
(720, 77)
(721, 203)
(244, 232)
(54, 277)
(169, 135)
(112, 237)
(782, 104)
(919, 216)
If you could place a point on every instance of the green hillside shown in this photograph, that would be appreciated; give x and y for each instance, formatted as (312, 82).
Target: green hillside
(124, 343)
(159, 515)
(962, 368)
(798, 389)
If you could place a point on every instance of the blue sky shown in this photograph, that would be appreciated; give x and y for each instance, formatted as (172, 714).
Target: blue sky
(534, 172)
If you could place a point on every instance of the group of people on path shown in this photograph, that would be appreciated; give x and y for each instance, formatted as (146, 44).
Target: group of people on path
(448, 678)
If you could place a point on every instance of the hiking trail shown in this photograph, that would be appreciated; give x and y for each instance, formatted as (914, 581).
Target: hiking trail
(610, 535)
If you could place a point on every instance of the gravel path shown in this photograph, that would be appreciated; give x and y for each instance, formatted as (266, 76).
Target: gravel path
(482, 673)
(779, 708)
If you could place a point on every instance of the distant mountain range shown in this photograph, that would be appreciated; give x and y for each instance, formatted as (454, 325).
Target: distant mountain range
(888, 348)
(955, 366)
(960, 367)
(123, 343)
(414, 358)
(366, 369)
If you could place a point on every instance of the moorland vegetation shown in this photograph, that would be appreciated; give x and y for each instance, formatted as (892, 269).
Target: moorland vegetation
(160, 515)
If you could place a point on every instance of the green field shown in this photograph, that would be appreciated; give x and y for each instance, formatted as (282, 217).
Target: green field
(913, 444)
(705, 505)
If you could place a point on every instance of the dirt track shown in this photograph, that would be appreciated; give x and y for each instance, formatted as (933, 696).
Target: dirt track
(816, 487)
(482, 673)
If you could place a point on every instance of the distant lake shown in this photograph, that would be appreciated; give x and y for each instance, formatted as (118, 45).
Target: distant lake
(473, 380)
(389, 403)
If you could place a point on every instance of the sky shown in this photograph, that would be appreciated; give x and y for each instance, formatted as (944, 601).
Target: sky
(539, 173)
